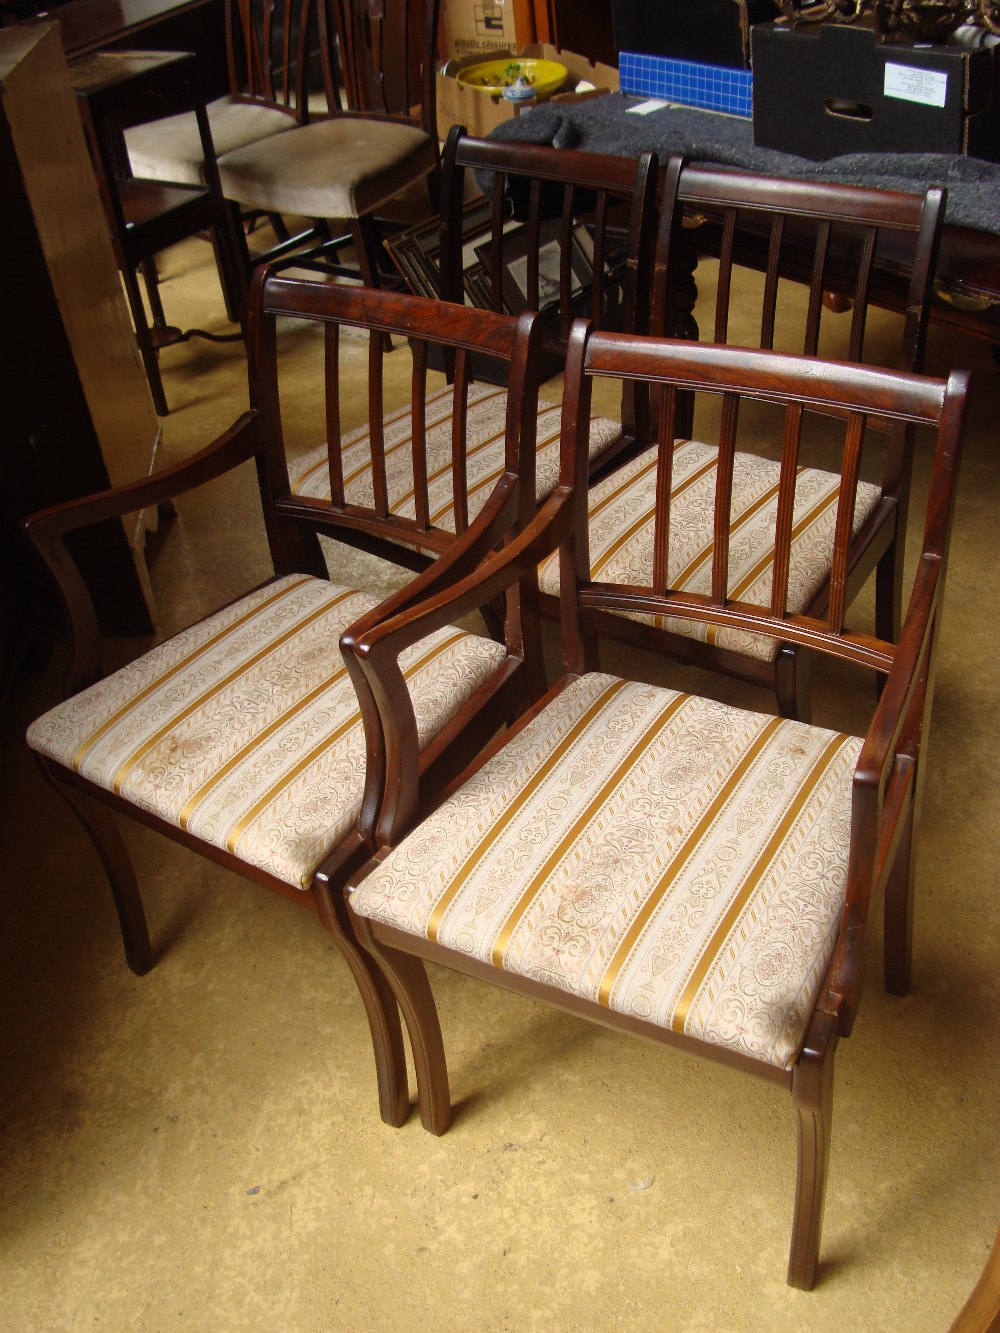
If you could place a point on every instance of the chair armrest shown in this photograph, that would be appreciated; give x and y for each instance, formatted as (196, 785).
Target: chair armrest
(372, 646)
(46, 528)
(885, 785)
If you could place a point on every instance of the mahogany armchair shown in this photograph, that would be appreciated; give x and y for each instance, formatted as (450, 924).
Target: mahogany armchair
(823, 236)
(668, 865)
(241, 736)
(616, 189)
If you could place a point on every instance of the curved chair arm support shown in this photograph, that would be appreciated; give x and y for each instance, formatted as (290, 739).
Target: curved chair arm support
(47, 527)
(371, 651)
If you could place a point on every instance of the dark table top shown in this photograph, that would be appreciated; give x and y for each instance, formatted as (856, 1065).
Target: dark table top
(969, 264)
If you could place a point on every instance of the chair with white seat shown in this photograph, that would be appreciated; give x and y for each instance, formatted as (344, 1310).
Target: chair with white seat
(266, 59)
(342, 167)
(241, 736)
(661, 863)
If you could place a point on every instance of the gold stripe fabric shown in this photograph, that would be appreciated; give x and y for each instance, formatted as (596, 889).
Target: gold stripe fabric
(484, 448)
(673, 858)
(245, 729)
(621, 512)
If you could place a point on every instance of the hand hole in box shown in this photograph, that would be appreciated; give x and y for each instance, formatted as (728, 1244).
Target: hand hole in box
(840, 106)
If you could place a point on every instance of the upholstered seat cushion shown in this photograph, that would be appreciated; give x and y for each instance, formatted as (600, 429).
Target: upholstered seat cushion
(621, 510)
(485, 454)
(666, 856)
(170, 149)
(340, 168)
(245, 729)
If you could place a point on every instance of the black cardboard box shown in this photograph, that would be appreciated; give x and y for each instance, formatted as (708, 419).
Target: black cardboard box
(713, 32)
(831, 89)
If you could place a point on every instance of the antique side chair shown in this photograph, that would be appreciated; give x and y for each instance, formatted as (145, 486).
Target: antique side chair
(826, 237)
(241, 737)
(344, 165)
(561, 178)
(266, 50)
(662, 863)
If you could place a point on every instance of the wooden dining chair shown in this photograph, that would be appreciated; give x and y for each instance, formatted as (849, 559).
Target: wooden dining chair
(618, 191)
(241, 736)
(662, 863)
(822, 237)
(267, 59)
(344, 165)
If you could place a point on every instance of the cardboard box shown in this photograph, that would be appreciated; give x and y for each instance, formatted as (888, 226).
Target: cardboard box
(837, 89)
(484, 26)
(709, 32)
(480, 113)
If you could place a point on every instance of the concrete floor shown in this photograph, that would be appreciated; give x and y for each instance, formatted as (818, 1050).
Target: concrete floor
(201, 1148)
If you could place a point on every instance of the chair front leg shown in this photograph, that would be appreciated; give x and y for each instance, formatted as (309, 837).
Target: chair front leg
(100, 826)
(812, 1092)
(408, 979)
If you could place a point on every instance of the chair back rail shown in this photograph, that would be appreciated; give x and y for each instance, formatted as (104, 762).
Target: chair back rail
(268, 48)
(816, 231)
(387, 51)
(552, 194)
(427, 326)
(801, 387)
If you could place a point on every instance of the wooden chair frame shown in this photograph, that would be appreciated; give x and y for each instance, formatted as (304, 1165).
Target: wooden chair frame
(608, 180)
(889, 775)
(536, 185)
(389, 68)
(796, 229)
(291, 528)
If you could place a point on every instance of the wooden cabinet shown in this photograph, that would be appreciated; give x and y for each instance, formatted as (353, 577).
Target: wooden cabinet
(75, 407)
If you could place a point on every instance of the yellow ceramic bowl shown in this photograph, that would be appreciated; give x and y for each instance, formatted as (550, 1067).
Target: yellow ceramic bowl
(493, 76)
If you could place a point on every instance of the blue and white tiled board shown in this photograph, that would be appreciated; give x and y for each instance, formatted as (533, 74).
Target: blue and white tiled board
(712, 87)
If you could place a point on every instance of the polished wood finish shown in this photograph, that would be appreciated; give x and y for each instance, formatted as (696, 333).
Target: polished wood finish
(559, 190)
(145, 217)
(821, 236)
(891, 764)
(77, 409)
(554, 194)
(292, 527)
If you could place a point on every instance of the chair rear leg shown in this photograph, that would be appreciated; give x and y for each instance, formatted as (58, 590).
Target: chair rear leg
(793, 683)
(898, 921)
(408, 979)
(812, 1092)
(889, 594)
(103, 832)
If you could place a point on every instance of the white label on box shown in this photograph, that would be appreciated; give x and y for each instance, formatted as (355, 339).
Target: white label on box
(928, 86)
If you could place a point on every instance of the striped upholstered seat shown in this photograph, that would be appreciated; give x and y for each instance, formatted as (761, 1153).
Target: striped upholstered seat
(621, 510)
(484, 451)
(669, 857)
(245, 731)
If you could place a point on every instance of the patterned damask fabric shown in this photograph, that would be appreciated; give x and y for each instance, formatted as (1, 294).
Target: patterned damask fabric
(245, 729)
(485, 455)
(621, 512)
(666, 856)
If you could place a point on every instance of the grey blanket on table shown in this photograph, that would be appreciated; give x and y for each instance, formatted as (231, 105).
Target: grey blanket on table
(601, 125)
